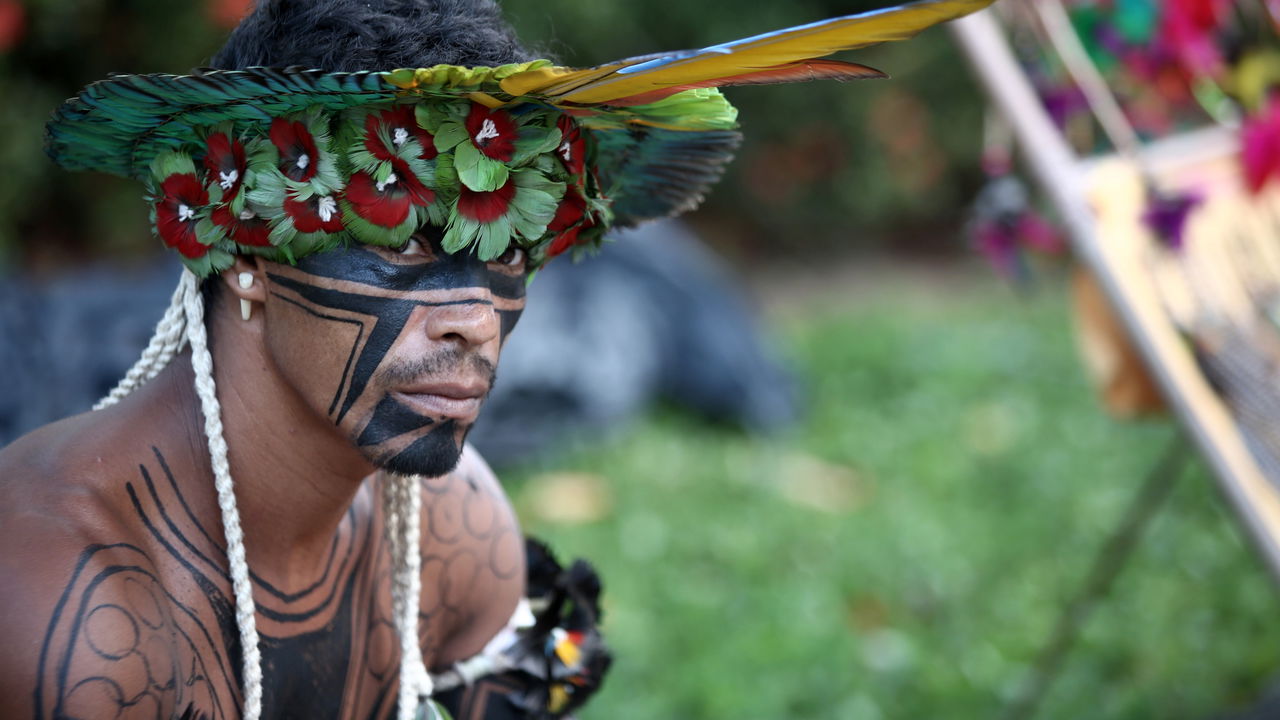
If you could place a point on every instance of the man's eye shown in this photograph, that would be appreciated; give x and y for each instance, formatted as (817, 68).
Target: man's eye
(513, 257)
(413, 247)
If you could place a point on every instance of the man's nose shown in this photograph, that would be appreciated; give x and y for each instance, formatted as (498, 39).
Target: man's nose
(470, 322)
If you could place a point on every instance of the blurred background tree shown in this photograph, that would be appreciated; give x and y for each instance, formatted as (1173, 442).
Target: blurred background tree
(824, 167)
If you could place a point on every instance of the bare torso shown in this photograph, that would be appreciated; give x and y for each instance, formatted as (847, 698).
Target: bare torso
(116, 599)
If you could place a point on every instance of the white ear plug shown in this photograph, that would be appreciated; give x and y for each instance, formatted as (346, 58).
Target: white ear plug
(246, 282)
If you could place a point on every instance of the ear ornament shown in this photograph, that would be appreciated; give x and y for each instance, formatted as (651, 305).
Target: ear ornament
(246, 282)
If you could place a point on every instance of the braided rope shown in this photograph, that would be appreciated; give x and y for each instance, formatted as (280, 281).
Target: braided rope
(167, 340)
(202, 364)
(402, 505)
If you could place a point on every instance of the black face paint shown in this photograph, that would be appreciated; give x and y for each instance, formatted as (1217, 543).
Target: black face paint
(390, 419)
(431, 455)
(395, 436)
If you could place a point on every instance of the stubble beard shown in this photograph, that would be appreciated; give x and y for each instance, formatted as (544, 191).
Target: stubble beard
(436, 452)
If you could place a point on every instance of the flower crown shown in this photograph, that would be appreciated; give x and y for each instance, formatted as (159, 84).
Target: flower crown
(287, 162)
(491, 177)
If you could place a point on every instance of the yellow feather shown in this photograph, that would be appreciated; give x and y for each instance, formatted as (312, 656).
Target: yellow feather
(535, 82)
(611, 81)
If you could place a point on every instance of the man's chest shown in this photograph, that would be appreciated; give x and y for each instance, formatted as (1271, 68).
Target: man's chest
(150, 630)
(329, 649)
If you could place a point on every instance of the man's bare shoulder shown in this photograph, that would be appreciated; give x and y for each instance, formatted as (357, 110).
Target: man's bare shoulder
(58, 495)
(473, 559)
(68, 482)
(85, 606)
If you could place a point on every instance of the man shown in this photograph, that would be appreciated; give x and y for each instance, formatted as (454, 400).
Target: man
(124, 601)
(357, 246)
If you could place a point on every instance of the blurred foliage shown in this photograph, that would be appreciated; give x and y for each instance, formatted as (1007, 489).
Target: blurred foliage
(906, 551)
(824, 165)
(49, 216)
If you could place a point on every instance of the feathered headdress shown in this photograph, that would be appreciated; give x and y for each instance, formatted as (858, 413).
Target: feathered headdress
(287, 162)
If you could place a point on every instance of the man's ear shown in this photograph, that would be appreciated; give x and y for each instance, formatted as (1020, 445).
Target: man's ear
(246, 280)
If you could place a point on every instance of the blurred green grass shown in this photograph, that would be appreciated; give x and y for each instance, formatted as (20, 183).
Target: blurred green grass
(904, 553)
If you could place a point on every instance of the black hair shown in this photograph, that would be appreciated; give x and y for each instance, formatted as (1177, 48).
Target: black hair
(348, 35)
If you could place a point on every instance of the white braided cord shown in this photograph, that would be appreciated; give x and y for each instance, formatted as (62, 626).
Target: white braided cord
(167, 340)
(402, 504)
(202, 364)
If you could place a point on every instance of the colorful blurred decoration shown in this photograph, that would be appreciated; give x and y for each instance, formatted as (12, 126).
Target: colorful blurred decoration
(1115, 75)
(1260, 146)
(1150, 54)
(552, 664)
(1166, 215)
(1171, 65)
(1004, 225)
(1005, 228)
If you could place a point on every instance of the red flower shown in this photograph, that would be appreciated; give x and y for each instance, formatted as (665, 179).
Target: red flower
(386, 206)
(573, 148)
(486, 206)
(571, 210)
(247, 229)
(298, 156)
(419, 194)
(181, 196)
(1260, 138)
(402, 125)
(319, 214)
(224, 163)
(570, 220)
(568, 238)
(493, 132)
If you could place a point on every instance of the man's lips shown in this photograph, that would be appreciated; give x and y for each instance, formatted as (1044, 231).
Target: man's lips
(457, 400)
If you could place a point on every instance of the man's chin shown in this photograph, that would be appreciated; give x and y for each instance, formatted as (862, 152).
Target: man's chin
(434, 454)
(433, 465)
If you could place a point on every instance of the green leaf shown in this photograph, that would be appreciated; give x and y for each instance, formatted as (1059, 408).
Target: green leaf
(269, 190)
(282, 230)
(172, 162)
(535, 141)
(459, 233)
(449, 135)
(430, 117)
(477, 171)
(494, 238)
(208, 232)
(401, 77)
(446, 173)
(436, 214)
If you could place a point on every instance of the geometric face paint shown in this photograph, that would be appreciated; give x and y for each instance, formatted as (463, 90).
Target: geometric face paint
(397, 348)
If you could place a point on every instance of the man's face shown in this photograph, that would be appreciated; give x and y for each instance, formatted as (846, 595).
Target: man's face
(397, 348)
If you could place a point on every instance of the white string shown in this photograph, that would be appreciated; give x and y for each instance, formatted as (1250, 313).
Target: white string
(402, 505)
(164, 344)
(202, 364)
